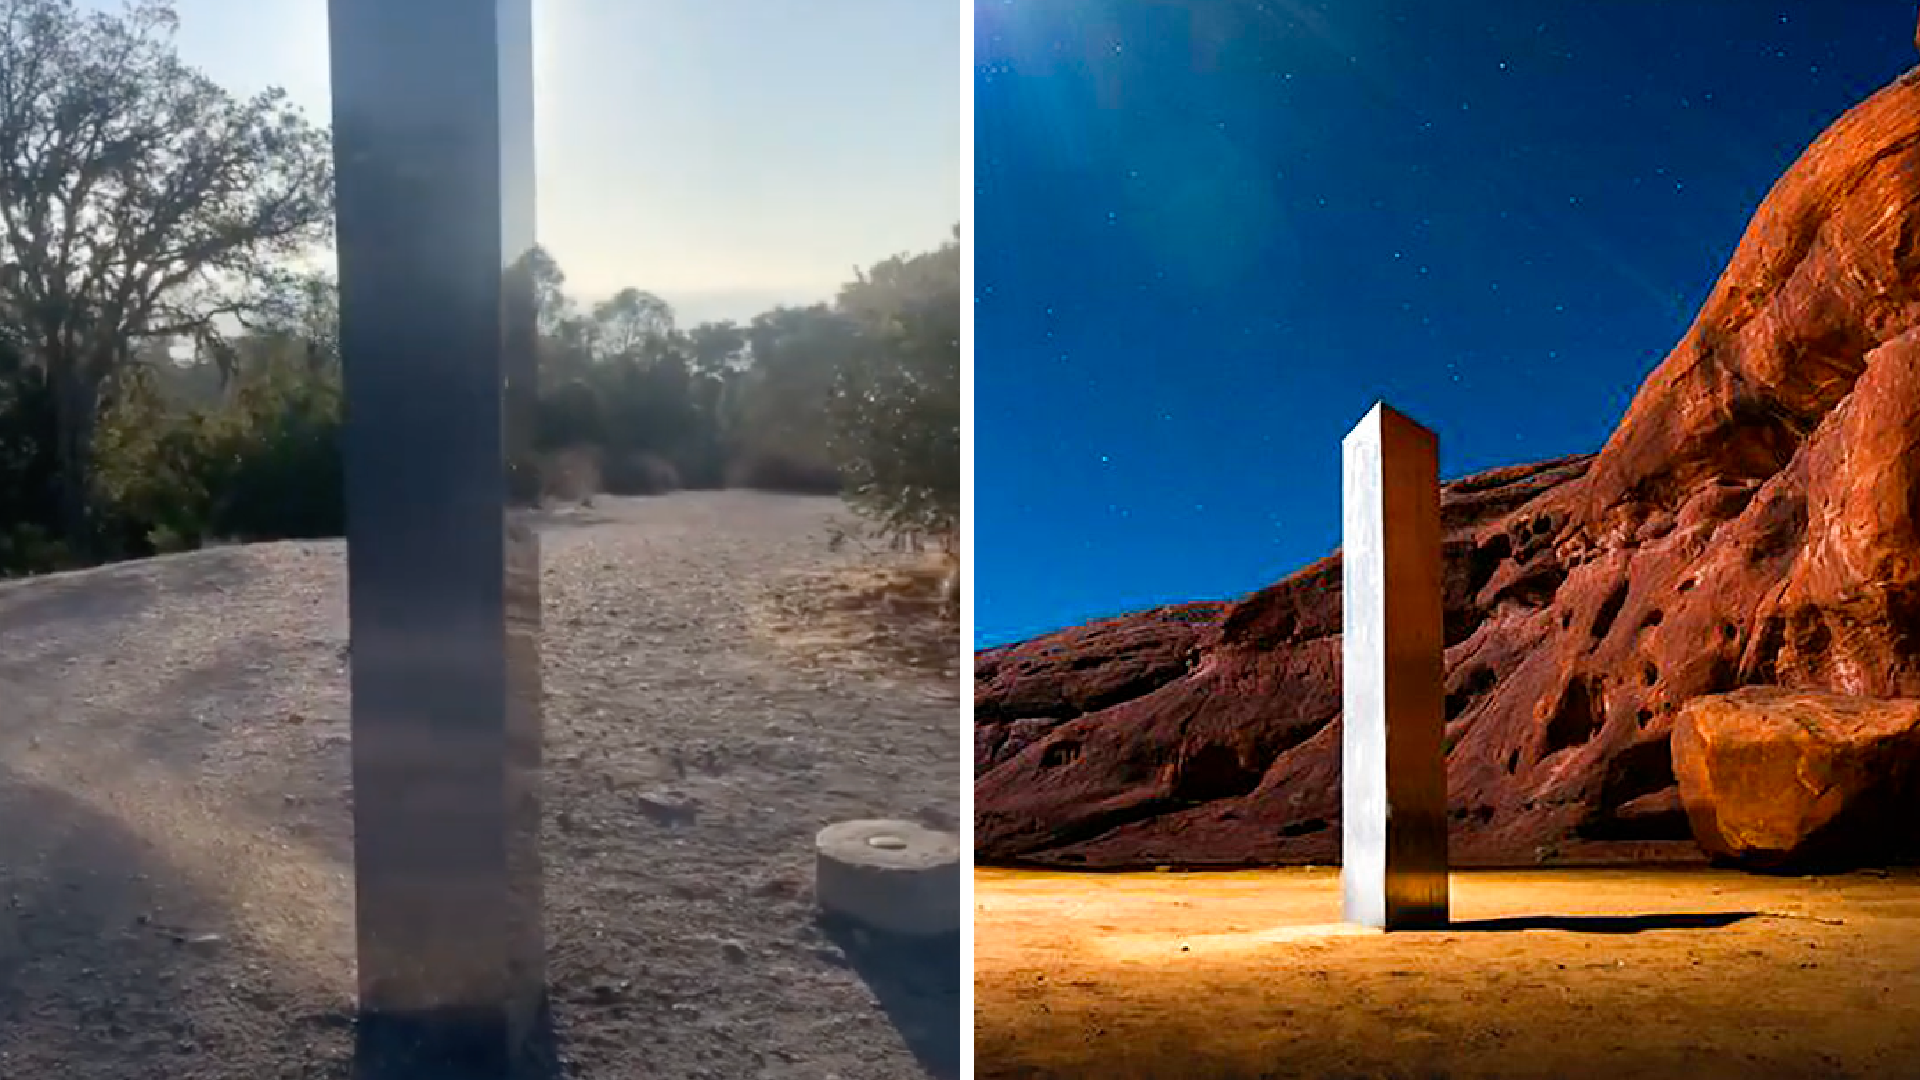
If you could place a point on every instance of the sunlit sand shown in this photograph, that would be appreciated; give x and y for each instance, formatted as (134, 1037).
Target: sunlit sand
(1624, 974)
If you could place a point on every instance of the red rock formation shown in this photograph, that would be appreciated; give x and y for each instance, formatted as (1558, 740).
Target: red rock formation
(1755, 518)
(1788, 779)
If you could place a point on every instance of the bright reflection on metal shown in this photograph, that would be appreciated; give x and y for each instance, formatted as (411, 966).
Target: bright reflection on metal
(1393, 765)
(433, 115)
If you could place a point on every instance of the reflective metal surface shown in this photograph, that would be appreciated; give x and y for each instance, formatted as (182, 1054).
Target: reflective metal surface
(433, 119)
(1393, 760)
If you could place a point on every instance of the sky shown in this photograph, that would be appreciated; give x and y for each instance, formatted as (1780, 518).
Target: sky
(726, 155)
(1210, 234)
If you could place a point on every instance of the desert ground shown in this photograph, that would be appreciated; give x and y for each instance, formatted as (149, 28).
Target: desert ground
(721, 682)
(1623, 974)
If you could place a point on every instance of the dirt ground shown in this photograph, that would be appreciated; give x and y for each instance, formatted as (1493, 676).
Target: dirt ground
(175, 851)
(1621, 974)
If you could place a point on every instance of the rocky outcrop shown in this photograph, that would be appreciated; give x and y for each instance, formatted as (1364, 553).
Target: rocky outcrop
(1755, 519)
(1780, 779)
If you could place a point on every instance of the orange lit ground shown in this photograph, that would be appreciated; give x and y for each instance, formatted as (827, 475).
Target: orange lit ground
(1621, 974)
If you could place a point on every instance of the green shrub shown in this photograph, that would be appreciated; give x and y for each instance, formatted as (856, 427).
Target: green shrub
(771, 470)
(896, 402)
(638, 473)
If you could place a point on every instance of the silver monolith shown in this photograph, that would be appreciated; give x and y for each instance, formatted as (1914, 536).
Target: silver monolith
(433, 130)
(1393, 763)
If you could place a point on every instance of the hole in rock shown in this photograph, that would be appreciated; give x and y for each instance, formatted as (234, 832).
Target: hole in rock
(1649, 673)
(1609, 610)
(1770, 638)
(1478, 680)
(1575, 716)
(1056, 755)
(1723, 676)
(1651, 619)
(1213, 772)
(1536, 586)
(1814, 638)
(1640, 768)
(1486, 559)
(1303, 828)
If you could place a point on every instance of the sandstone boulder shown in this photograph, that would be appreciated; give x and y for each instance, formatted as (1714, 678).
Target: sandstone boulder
(1754, 519)
(1781, 779)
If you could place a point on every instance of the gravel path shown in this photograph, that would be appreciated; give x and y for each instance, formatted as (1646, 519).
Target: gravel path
(175, 891)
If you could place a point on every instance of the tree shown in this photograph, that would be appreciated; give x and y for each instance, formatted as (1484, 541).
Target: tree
(27, 478)
(304, 310)
(138, 200)
(896, 401)
(794, 355)
(629, 322)
(549, 290)
(717, 350)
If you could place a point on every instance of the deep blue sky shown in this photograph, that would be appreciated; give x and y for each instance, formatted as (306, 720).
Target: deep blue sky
(1210, 233)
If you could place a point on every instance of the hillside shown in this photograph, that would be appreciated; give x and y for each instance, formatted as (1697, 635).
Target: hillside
(1754, 519)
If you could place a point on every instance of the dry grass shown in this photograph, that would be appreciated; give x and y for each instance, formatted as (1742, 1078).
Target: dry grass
(887, 612)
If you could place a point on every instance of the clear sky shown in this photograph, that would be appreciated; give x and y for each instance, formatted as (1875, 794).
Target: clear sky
(727, 155)
(1208, 235)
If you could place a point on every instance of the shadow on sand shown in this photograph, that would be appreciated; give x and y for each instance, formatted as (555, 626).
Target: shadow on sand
(917, 982)
(1603, 924)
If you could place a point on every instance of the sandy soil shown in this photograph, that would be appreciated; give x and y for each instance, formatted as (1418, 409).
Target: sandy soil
(175, 897)
(1620, 974)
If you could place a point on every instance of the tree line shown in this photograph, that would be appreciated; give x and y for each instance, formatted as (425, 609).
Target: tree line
(169, 363)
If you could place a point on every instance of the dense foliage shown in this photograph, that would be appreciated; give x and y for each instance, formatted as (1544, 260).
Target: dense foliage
(169, 374)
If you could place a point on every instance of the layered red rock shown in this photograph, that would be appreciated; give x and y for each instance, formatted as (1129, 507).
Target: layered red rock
(1754, 519)
(1779, 779)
